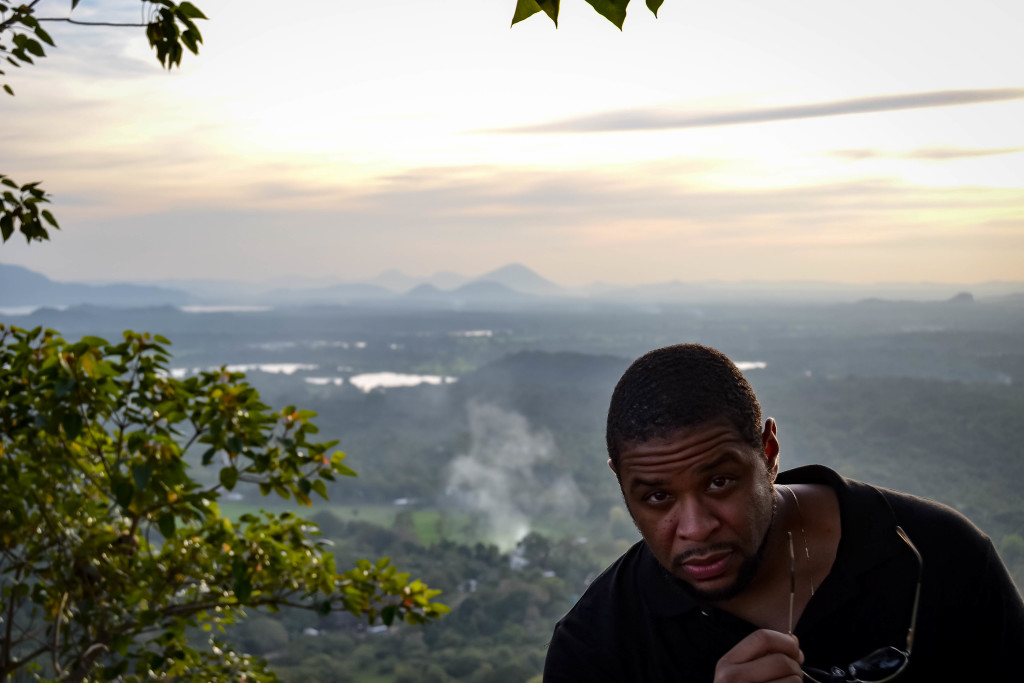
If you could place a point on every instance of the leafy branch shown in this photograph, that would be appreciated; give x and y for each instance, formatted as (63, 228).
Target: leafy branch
(171, 29)
(118, 549)
(612, 10)
(19, 210)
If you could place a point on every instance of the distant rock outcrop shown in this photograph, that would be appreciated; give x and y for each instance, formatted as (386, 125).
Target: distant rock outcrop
(962, 298)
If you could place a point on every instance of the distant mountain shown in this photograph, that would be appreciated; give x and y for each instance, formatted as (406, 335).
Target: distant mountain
(334, 294)
(397, 281)
(425, 291)
(446, 279)
(393, 279)
(488, 290)
(22, 287)
(520, 278)
(473, 295)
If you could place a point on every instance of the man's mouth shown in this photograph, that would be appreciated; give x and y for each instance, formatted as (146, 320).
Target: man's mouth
(706, 567)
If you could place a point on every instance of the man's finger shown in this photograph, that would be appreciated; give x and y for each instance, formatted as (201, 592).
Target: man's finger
(763, 642)
(762, 657)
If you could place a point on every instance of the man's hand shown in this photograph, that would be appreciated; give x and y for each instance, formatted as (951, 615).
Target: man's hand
(762, 657)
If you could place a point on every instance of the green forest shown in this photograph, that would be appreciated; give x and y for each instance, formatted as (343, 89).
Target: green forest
(492, 487)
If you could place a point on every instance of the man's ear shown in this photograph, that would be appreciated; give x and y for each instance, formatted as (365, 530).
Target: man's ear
(611, 466)
(770, 445)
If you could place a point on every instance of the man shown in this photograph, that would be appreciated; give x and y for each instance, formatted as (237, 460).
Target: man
(747, 575)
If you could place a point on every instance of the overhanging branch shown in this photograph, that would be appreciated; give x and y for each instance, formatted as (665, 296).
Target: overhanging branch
(88, 23)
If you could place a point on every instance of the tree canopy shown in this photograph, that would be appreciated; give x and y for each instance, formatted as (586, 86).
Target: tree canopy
(111, 546)
(171, 29)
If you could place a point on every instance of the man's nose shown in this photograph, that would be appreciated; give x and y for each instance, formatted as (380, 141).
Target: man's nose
(695, 522)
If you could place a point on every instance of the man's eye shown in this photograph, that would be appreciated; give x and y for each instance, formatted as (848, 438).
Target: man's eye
(719, 483)
(656, 497)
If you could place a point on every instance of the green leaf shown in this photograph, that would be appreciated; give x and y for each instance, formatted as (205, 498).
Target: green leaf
(65, 385)
(72, 423)
(34, 47)
(524, 10)
(323, 608)
(95, 341)
(44, 36)
(7, 88)
(190, 42)
(654, 5)
(6, 226)
(123, 491)
(141, 475)
(242, 586)
(166, 525)
(387, 614)
(191, 11)
(229, 477)
(527, 8)
(49, 218)
(612, 10)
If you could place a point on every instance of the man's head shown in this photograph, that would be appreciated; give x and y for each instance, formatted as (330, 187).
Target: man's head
(677, 387)
(695, 467)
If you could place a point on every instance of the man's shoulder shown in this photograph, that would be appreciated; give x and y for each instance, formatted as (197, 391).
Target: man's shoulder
(614, 589)
(593, 640)
(927, 519)
(634, 624)
(861, 503)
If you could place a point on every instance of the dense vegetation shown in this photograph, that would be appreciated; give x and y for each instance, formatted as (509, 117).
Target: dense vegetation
(926, 398)
(110, 550)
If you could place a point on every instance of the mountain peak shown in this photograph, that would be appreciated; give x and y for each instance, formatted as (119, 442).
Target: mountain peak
(520, 278)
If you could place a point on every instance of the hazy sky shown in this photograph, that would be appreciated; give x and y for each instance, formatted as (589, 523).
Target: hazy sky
(736, 139)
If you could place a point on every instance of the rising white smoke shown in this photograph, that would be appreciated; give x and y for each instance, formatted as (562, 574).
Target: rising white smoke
(497, 476)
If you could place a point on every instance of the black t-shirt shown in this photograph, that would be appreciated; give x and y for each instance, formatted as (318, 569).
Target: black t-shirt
(633, 625)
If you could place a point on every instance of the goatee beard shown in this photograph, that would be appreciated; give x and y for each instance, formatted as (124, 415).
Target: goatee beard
(745, 575)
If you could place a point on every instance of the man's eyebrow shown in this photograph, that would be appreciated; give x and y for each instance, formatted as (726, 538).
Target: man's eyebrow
(723, 459)
(640, 482)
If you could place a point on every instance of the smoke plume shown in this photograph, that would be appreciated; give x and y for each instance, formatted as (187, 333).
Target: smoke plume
(498, 477)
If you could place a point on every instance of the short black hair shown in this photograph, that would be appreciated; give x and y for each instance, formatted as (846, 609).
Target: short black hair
(680, 386)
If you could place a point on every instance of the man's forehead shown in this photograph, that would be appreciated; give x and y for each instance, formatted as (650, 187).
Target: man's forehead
(684, 446)
(672, 435)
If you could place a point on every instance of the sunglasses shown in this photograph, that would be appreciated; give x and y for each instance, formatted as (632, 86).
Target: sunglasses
(882, 665)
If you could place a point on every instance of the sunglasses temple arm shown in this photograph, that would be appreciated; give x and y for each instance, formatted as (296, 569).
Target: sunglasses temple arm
(917, 591)
(792, 579)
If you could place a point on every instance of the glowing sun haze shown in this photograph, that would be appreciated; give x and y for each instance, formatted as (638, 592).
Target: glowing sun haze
(782, 140)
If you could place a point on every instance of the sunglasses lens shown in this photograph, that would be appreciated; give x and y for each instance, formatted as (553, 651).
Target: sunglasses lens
(880, 665)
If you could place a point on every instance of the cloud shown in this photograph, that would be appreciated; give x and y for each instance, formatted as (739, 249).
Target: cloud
(926, 153)
(659, 118)
(612, 218)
